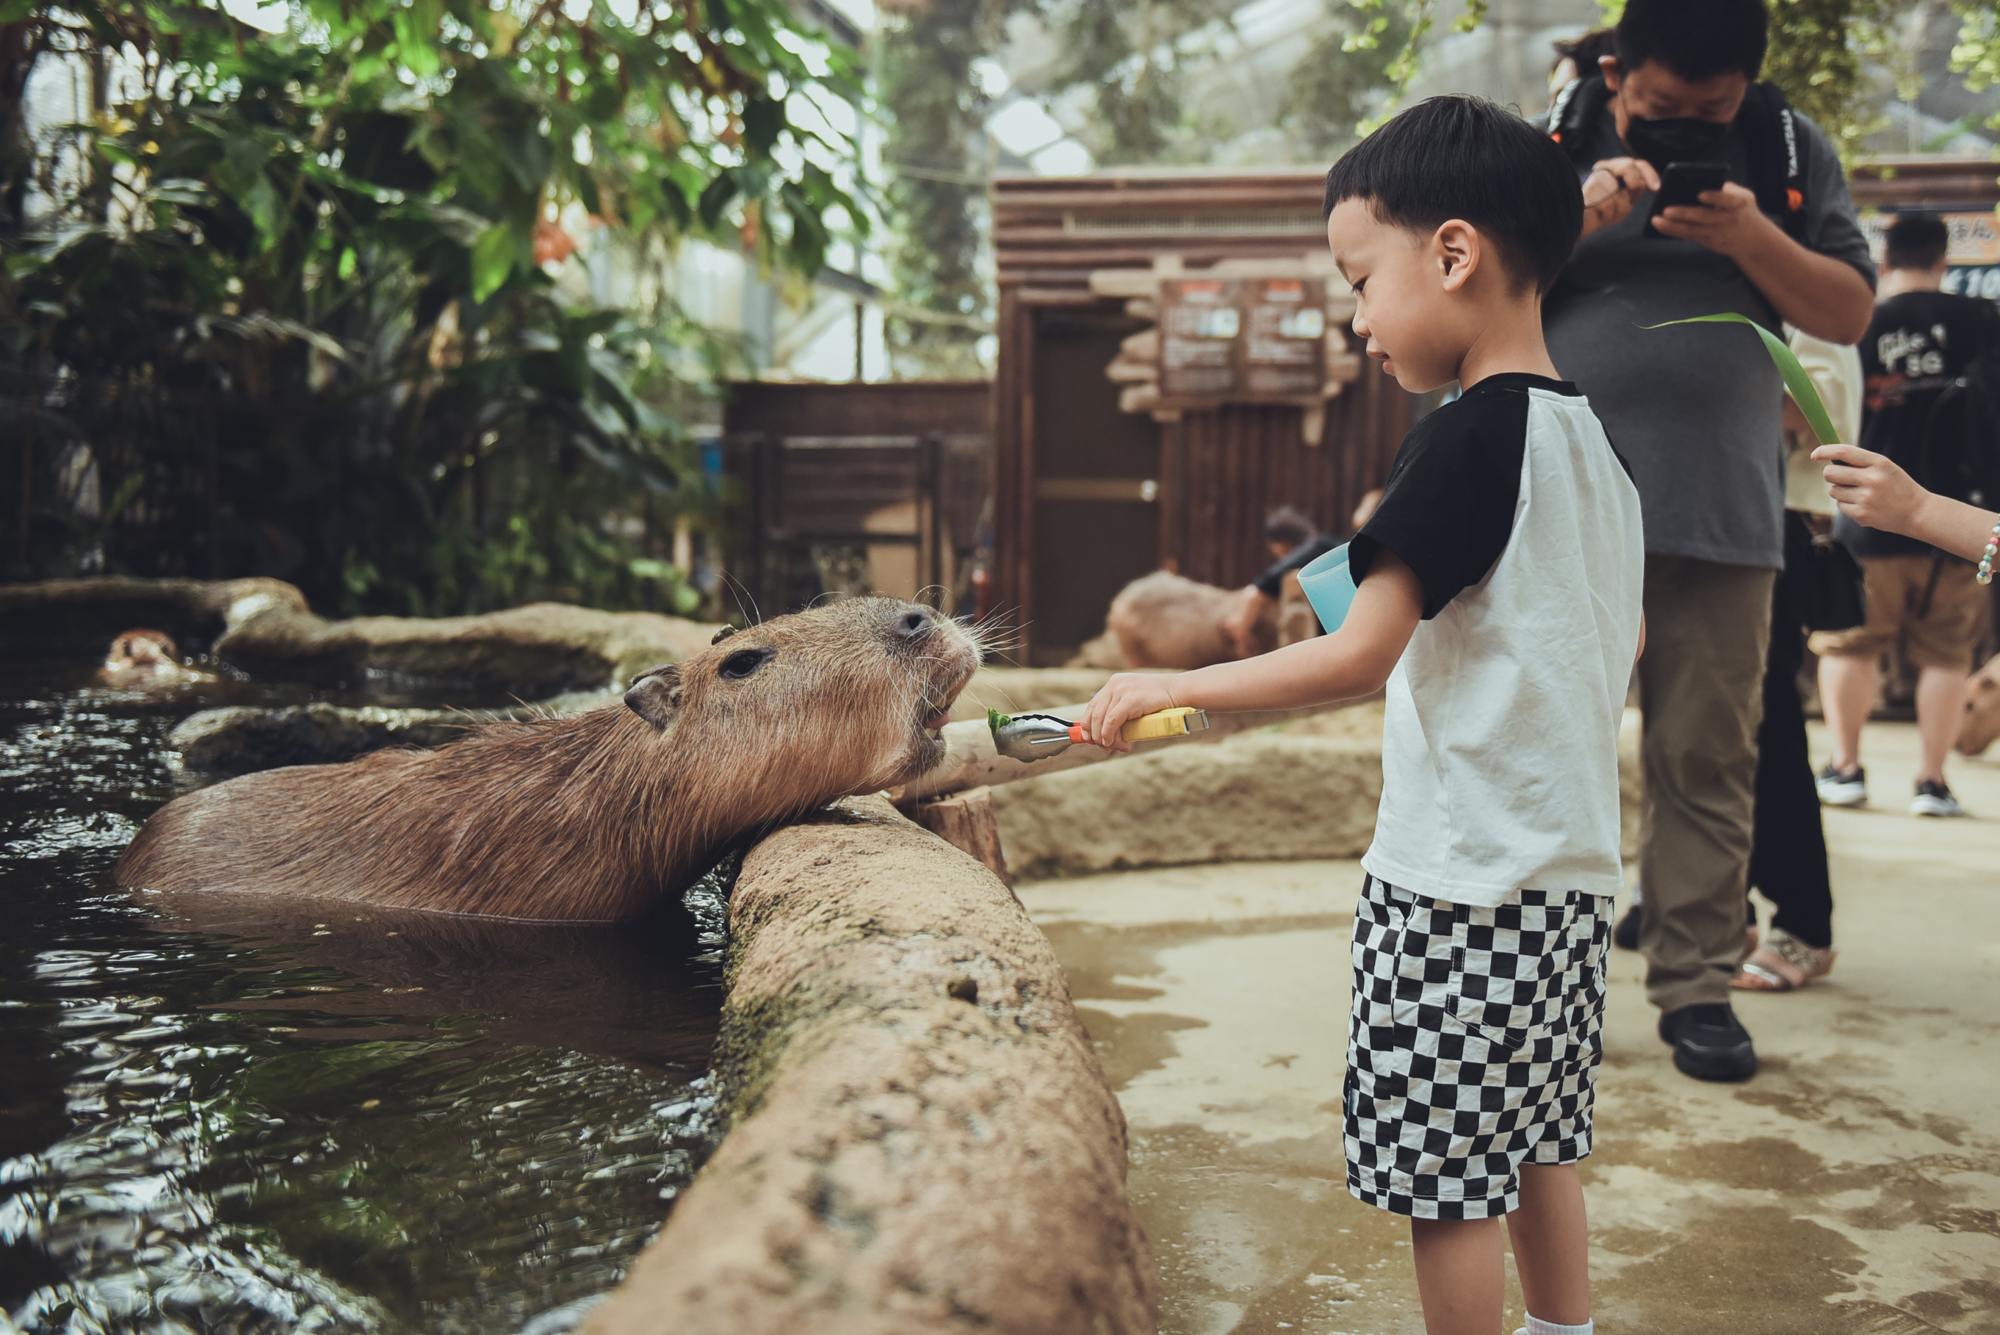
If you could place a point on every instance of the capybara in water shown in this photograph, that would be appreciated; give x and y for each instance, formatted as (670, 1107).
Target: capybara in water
(596, 816)
(145, 660)
(1166, 621)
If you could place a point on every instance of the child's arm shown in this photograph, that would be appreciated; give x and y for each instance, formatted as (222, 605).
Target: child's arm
(1874, 491)
(1355, 660)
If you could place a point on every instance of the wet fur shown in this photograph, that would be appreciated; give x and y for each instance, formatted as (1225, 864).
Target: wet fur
(592, 817)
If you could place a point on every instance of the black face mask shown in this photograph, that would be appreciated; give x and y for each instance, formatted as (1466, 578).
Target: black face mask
(1664, 139)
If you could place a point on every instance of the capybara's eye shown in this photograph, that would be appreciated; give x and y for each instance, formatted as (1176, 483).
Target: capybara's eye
(744, 662)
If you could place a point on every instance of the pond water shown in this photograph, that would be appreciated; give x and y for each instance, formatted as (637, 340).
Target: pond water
(226, 1114)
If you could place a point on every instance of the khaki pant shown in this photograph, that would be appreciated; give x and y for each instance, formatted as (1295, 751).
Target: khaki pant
(1708, 627)
(1937, 606)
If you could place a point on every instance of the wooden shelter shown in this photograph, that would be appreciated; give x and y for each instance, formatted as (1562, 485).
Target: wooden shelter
(1088, 497)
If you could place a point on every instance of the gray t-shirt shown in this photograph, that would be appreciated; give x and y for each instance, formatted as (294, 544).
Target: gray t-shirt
(1695, 410)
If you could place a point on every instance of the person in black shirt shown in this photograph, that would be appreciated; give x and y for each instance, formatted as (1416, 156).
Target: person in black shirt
(1917, 356)
(1296, 542)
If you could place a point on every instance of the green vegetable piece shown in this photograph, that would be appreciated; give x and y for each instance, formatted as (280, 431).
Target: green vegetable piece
(1796, 380)
(997, 720)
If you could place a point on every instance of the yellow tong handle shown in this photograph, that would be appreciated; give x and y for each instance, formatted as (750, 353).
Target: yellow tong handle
(1176, 722)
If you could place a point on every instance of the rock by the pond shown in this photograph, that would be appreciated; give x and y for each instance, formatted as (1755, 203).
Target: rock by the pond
(922, 1140)
(263, 627)
(538, 650)
(77, 618)
(244, 739)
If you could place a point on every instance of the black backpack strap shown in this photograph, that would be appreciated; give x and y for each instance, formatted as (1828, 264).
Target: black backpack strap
(1778, 157)
(1573, 114)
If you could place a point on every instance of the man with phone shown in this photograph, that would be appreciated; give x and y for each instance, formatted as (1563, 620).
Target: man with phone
(1753, 216)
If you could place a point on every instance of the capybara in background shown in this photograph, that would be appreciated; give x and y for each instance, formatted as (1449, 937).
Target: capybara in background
(1981, 723)
(145, 660)
(590, 817)
(1165, 621)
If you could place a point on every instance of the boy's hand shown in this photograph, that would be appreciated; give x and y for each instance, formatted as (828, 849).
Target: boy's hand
(1870, 488)
(1122, 699)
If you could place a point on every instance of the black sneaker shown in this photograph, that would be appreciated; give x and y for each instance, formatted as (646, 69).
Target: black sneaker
(1934, 799)
(1709, 1043)
(1842, 790)
(1625, 935)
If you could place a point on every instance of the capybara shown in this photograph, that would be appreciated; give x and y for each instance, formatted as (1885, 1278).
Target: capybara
(1981, 723)
(590, 817)
(145, 660)
(1165, 621)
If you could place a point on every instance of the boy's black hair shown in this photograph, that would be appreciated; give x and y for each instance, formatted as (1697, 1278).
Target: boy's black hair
(1916, 243)
(1288, 526)
(1466, 158)
(1696, 39)
(1586, 49)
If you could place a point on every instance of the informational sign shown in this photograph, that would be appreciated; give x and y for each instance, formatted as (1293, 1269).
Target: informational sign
(1972, 252)
(1248, 340)
(1200, 322)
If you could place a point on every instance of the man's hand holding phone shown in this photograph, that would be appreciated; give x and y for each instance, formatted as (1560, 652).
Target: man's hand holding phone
(1612, 188)
(1727, 221)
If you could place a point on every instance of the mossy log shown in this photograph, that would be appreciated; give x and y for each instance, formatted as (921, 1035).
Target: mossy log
(920, 1138)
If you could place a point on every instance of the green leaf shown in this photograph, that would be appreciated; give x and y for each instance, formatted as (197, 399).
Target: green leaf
(1796, 380)
(492, 260)
(995, 720)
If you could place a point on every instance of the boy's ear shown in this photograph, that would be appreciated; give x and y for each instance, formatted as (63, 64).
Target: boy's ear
(1459, 250)
(1608, 66)
(656, 695)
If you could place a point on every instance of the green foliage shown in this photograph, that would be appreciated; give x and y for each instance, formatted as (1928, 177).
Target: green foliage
(1328, 91)
(923, 70)
(1133, 57)
(1816, 53)
(349, 228)
(1414, 19)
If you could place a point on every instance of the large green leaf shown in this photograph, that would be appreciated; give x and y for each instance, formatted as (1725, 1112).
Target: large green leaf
(1796, 380)
(492, 260)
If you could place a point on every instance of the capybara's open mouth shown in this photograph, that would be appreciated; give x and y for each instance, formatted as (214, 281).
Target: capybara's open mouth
(951, 672)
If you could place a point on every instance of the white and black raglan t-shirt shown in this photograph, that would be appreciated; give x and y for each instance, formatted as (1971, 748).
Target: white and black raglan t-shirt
(1500, 752)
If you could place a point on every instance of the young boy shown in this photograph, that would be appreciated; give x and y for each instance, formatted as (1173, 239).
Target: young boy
(1499, 594)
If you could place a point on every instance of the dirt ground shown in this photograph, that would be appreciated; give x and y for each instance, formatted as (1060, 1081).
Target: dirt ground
(1853, 1186)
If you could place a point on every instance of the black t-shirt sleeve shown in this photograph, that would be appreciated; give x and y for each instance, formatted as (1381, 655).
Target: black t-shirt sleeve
(1448, 508)
(1272, 582)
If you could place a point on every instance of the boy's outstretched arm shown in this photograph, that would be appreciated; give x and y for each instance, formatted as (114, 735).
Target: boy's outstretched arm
(1355, 660)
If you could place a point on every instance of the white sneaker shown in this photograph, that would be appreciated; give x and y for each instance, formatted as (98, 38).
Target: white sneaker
(1842, 790)
(1935, 799)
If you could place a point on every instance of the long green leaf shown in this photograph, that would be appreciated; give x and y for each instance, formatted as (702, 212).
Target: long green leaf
(492, 261)
(1796, 380)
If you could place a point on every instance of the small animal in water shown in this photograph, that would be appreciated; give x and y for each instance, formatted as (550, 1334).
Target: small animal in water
(145, 660)
(598, 816)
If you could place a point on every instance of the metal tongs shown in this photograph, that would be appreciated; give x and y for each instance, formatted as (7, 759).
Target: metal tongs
(1039, 736)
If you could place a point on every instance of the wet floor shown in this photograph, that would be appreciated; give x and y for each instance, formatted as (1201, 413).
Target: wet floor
(1853, 1186)
(226, 1114)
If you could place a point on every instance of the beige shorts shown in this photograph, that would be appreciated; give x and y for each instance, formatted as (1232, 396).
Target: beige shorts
(1944, 636)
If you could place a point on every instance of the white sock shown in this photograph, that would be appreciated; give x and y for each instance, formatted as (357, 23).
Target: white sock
(1537, 1326)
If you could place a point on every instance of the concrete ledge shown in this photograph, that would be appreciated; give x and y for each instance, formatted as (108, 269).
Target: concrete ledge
(921, 1139)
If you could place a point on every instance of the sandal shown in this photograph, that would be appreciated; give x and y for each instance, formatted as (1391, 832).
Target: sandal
(1782, 963)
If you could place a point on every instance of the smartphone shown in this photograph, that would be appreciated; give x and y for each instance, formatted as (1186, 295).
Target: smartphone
(1684, 183)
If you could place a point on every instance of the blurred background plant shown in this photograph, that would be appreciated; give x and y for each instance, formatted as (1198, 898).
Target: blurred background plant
(303, 303)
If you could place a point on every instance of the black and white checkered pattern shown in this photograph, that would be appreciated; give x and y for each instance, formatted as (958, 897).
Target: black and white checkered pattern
(1473, 1046)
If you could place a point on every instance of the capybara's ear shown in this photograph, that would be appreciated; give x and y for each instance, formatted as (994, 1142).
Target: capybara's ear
(723, 634)
(655, 695)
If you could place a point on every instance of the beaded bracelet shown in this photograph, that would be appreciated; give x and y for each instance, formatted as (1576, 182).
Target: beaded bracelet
(1985, 575)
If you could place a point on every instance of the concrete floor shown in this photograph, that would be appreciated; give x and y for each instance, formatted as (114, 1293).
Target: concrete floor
(1853, 1186)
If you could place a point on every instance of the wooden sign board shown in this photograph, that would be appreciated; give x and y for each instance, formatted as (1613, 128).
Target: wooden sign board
(1241, 340)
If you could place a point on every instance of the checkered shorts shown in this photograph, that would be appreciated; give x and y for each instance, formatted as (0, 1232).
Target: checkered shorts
(1473, 1047)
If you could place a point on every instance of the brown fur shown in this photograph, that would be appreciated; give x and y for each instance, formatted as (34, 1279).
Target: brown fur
(592, 817)
(1982, 710)
(145, 660)
(1165, 621)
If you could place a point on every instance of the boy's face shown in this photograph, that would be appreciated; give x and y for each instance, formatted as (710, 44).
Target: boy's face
(1403, 284)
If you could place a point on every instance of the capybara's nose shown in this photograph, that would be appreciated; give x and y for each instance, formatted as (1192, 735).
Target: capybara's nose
(913, 624)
